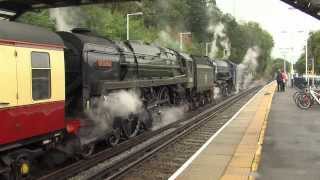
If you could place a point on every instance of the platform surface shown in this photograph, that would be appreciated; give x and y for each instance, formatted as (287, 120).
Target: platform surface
(291, 149)
(232, 152)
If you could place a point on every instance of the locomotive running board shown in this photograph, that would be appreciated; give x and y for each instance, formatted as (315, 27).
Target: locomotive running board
(107, 85)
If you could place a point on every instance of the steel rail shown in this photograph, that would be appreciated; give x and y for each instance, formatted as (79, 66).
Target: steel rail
(120, 167)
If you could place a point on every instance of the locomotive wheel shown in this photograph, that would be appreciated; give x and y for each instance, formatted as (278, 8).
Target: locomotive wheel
(143, 128)
(225, 92)
(164, 96)
(87, 150)
(131, 126)
(146, 120)
(114, 138)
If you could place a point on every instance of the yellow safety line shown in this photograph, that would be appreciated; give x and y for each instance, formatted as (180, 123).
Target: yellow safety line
(246, 166)
(257, 156)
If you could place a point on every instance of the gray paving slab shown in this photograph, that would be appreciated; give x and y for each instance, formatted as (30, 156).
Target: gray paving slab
(291, 148)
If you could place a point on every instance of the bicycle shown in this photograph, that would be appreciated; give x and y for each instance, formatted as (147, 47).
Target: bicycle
(306, 99)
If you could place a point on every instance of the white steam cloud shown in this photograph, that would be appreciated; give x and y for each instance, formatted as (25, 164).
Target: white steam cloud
(219, 36)
(216, 92)
(168, 115)
(164, 38)
(122, 104)
(66, 18)
(106, 108)
(246, 70)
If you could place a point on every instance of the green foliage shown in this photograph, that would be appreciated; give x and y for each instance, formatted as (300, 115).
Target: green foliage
(314, 50)
(245, 36)
(256, 36)
(237, 36)
(172, 17)
(277, 64)
(300, 65)
(38, 18)
(196, 20)
(105, 23)
(313, 53)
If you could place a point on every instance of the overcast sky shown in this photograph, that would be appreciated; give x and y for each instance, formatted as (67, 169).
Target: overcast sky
(279, 19)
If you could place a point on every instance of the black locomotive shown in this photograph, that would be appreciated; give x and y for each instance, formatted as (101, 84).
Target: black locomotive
(98, 66)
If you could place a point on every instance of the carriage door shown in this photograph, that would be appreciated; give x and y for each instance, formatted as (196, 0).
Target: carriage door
(8, 92)
(8, 77)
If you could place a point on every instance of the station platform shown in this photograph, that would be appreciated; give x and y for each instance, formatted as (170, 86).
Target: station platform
(234, 152)
(291, 148)
(269, 138)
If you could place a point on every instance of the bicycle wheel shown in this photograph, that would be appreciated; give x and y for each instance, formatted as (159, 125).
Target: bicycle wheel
(304, 101)
(296, 97)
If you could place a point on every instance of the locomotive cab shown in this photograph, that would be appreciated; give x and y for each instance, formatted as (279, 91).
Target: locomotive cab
(189, 66)
(89, 60)
(223, 70)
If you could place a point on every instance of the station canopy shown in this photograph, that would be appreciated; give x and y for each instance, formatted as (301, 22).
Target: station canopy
(311, 7)
(10, 9)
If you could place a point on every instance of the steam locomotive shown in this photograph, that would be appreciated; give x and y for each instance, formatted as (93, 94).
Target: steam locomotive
(49, 81)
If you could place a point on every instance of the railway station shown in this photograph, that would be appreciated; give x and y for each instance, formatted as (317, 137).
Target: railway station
(159, 89)
(267, 139)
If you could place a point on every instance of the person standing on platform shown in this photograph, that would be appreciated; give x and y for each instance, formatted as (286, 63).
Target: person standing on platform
(284, 80)
(279, 80)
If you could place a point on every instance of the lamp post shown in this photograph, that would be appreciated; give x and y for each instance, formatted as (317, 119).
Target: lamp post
(306, 57)
(181, 38)
(307, 61)
(128, 19)
(306, 48)
(207, 48)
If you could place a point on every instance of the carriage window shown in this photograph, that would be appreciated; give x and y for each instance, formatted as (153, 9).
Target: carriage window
(41, 75)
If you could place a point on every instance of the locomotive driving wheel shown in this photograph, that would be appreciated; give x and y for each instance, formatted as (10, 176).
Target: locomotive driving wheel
(114, 138)
(87, 150)
(131, 126)
(164, 96)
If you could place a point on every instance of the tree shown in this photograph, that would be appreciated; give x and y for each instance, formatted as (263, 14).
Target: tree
(196, 20)
(300, 64)
(163, 20)
(314, 49)
(313, 53)
(38, 18)
(245, 36)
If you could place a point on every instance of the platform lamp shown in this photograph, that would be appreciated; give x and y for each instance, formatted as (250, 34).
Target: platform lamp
(128, 19)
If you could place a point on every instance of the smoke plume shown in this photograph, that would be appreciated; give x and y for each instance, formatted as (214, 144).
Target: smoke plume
(216, 92)
(168, 115)
(219, 37)
(165, 38)
(246, 70)
(66, 18)
(106, 108)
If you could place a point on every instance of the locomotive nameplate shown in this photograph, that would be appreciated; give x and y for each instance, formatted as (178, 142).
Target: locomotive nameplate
(103, 64)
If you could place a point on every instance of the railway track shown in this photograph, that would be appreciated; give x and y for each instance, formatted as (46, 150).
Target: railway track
(115, 162)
